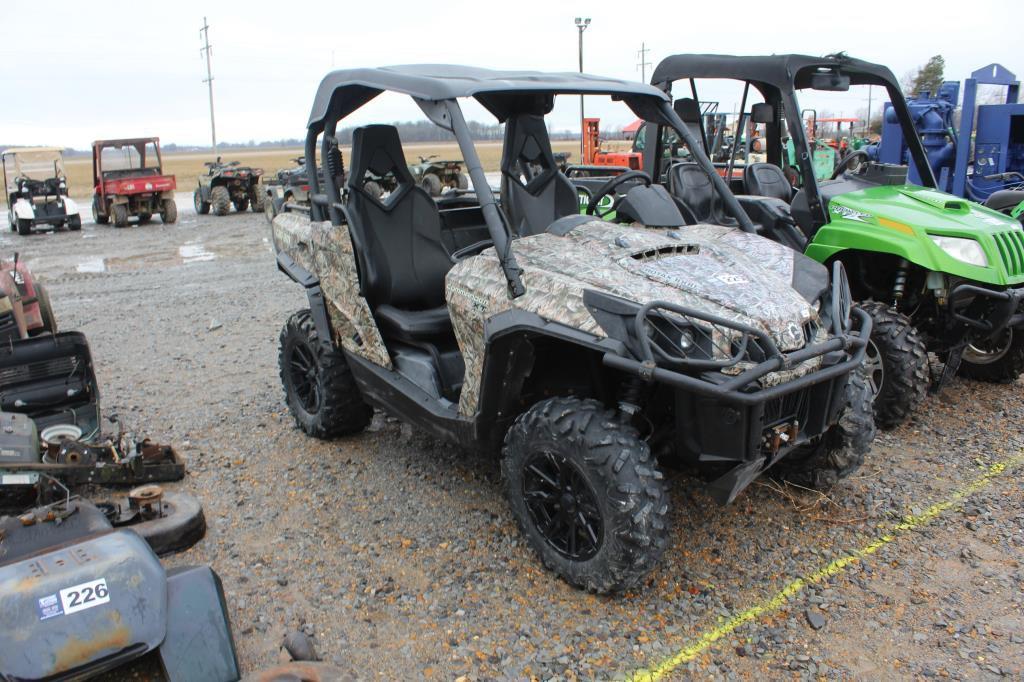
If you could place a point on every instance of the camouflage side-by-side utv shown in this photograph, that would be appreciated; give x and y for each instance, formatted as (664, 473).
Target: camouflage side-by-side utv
(225, 184)
(578, 349)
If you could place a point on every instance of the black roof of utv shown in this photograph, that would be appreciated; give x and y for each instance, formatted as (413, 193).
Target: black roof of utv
(782, 71)
(501, 92)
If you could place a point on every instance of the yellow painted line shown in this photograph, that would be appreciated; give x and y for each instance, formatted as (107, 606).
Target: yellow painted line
(780, 598)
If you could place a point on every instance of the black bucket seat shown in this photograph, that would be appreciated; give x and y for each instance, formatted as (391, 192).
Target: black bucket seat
(397, 239)
(688, 183)
(534, 193)
(767, 180)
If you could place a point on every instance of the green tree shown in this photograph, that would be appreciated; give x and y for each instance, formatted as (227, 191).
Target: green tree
(928, 77)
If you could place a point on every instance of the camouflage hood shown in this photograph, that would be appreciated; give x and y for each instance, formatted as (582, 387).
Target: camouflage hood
(719, 270)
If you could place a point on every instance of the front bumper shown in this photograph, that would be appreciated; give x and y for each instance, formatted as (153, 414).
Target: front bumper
(986, 311)
(752, 408)
(837, 357)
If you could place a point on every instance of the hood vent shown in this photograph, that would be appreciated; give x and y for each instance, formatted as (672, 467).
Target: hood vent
(666, 251)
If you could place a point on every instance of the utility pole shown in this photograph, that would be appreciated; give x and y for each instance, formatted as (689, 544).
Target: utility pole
(205, 33)
(643, 64)
(581, 25)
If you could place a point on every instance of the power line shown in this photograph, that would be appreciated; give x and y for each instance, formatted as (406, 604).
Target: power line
(205, 34)
(643, 63)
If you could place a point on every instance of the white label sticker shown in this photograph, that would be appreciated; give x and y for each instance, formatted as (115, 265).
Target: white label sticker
(17, 479)
(84, 596)
(729, 278)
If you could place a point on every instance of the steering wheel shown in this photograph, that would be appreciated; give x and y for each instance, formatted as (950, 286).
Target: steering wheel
(845, 163)
(607, 188)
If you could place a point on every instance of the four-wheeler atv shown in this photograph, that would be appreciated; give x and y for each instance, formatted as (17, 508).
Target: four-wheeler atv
(936, 272)
(25, 308)
(225, 184)
(129, 181)
(36, 188)
(289, 186)
(436, 176)
(577, 348)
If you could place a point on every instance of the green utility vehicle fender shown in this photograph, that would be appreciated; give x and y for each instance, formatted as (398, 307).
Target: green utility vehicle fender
(904, 220)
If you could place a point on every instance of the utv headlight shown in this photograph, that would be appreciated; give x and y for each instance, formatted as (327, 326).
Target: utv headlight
(966, 250)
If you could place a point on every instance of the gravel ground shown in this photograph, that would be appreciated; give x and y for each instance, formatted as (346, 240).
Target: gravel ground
(397, 551)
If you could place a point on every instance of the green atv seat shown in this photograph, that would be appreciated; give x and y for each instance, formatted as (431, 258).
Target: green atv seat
(767, 180)
(397, 239)
(533, 199)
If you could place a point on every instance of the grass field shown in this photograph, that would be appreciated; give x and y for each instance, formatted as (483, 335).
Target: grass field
(186, 167)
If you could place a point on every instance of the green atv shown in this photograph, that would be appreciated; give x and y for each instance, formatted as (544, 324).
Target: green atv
(936, 273)
(225, 184)
(434, 176)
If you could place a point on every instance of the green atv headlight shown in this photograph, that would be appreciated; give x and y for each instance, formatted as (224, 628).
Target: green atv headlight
(966, 250)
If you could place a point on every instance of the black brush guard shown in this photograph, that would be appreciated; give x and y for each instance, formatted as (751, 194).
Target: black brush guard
(1004, 309)
(668, 322)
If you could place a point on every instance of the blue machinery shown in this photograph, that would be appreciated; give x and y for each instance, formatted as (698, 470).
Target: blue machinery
(998, 161)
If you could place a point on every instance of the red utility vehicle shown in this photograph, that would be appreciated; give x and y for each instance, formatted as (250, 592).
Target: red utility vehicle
(129, 181)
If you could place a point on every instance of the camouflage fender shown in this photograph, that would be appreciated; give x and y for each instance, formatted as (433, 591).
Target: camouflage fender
(326, 251)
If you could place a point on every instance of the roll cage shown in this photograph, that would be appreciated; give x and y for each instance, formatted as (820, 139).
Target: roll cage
(436, 90)
(15, 167)
(139, 145)
(777, 78)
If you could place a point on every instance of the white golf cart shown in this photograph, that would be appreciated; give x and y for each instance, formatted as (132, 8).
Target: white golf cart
(37, 190)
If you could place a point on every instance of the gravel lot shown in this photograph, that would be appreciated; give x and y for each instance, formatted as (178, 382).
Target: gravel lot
(398, 553)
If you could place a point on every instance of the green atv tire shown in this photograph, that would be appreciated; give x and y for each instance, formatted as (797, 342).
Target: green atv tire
(586, 494)
(998, 361)
(896, 361)
(838, 452)
(319, 387)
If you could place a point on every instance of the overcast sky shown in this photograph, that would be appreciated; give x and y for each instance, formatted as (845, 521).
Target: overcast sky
(74, 71)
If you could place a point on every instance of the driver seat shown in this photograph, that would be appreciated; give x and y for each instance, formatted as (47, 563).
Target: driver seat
(688, 183)
(767, 180)
(397, 239)
(533, 199)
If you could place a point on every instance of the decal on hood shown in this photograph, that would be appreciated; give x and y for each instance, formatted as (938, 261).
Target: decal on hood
(849, 213)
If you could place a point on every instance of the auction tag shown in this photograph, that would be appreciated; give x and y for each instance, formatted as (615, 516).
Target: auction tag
(84, 596)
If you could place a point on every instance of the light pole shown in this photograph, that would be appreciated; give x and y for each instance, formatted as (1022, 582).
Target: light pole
(581, 26)
(205, 31)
